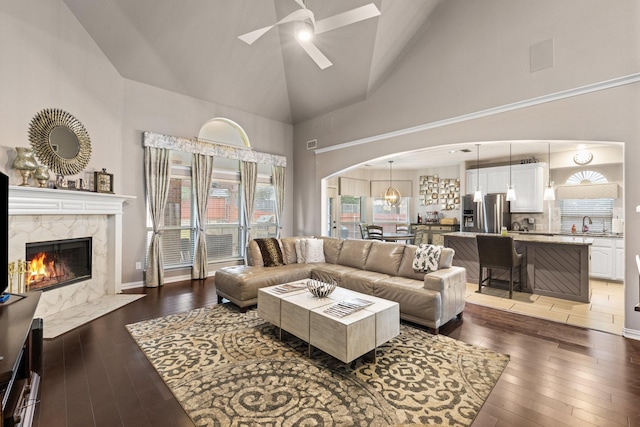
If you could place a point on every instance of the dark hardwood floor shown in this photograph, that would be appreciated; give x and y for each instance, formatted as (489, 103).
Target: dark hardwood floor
(558, 375)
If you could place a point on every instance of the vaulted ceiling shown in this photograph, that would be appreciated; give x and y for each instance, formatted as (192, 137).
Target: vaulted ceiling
(192, 47)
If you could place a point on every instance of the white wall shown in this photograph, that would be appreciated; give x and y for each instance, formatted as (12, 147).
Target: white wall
(475, 57)
(49, 61)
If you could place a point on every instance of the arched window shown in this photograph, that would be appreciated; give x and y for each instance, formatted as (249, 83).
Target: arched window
(587, 177)
(580, 211)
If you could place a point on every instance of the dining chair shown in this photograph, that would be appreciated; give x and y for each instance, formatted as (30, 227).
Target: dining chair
(374, 232)
(363, 230)
(402, 229)
(498, 252)
(421, 237)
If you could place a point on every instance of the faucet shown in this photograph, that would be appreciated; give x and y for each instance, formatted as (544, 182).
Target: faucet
(584, 226)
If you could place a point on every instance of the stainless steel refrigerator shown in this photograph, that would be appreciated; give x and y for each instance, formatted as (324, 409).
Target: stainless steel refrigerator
(486, 217)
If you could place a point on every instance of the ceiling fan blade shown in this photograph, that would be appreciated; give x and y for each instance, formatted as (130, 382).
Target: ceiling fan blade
(296, 15)
(301, 4)
(346, 18)
(315, 54)
(254, 35)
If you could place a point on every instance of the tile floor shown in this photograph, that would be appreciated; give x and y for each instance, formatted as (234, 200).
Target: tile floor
(605, 312)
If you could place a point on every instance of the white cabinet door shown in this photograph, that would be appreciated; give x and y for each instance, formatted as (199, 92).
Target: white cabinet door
(472, 180)
(601, 259)
(528, 182)
(497, 179)
(618, 264)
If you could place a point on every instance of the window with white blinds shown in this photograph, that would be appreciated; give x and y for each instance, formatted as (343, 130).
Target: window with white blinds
(573, 212)
(223, 225)
(388, 216)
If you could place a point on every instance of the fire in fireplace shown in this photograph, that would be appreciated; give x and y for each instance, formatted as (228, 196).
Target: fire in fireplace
(57, 263)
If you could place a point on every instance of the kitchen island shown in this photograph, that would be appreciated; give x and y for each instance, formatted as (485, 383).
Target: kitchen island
(555, 266)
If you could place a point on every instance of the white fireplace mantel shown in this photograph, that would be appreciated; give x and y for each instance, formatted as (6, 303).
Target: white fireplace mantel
(46, 201)
(33, 201)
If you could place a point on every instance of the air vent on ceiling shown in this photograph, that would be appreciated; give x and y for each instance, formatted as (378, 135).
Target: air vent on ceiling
(465, 150)
(312, 144)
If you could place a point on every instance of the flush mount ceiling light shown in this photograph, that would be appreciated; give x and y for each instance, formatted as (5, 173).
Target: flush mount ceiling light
(511, 192)
(549, 194)
(391, 196)
(477, 196)
(304, 17)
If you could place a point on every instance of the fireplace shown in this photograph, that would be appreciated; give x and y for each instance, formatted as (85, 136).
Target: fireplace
(57, 263)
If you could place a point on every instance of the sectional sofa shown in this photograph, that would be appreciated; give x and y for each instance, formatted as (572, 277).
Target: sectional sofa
(371, 267)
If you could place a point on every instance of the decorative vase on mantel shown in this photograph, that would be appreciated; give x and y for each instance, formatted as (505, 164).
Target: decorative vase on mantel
(41, 175)
(25, 162)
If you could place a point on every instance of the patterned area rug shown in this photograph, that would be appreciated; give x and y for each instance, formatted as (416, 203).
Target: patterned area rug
(228, 368)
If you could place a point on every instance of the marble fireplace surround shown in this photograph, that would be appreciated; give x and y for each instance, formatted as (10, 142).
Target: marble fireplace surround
(42, 214)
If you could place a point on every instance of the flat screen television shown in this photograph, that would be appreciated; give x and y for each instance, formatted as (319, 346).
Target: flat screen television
(4, 233)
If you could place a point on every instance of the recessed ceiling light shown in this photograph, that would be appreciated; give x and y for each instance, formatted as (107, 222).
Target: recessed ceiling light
(453, 151)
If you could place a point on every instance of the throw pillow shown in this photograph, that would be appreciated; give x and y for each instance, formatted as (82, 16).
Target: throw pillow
(427, 258)
(300, 250)
(314, 251)
(270, 251)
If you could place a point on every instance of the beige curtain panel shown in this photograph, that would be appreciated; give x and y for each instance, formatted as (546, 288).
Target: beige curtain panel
(201, 176)
(157, 167)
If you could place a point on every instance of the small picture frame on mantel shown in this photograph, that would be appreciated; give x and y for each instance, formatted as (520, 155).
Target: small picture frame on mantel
(103, 182)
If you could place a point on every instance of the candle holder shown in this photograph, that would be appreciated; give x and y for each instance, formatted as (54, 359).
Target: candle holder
(12, 272)
(25, 163)
(22, 269)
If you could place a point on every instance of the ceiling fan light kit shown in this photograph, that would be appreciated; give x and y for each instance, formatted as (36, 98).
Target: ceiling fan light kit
(306, 27)
(304, 31)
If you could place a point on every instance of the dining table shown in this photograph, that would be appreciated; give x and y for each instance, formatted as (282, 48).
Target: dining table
(394, 237)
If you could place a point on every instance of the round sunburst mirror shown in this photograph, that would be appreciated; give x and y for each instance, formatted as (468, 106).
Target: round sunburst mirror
(60, 141)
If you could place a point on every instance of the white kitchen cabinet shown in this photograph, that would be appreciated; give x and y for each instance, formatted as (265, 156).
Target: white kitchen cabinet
(528, 182)
(527, 179)
(618, 256)
(601, 259)
(472, 179)
(497, 179)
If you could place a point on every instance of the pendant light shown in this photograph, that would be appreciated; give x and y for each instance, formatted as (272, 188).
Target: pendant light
(549, 194)
(477, 196)
(511, 193)
(391, 196)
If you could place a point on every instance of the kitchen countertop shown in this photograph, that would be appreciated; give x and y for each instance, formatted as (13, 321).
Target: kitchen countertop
(593, 235)
(537, 238)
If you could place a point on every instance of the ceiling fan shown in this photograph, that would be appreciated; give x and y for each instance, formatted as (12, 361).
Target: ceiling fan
(307, 26)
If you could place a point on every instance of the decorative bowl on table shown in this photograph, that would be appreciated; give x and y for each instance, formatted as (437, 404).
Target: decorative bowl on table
(320, 289)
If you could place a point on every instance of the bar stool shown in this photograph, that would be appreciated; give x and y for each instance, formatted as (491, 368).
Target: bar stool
(498, 252)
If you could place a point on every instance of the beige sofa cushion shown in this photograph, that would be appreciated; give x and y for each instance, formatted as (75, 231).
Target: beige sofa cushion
(354, 253)
(254, 255)
(385, 258)
(332, 248)
(288, 245)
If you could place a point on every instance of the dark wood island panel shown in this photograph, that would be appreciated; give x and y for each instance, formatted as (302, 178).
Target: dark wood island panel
(556, 266)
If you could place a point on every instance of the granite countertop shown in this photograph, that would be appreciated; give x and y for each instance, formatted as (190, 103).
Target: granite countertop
(593, 235)
(536, 238)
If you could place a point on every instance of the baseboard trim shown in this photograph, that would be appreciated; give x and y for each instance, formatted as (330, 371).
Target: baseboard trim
(172, 279)
(631, 333)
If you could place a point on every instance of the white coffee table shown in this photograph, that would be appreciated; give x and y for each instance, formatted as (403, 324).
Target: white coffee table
(345, 338)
